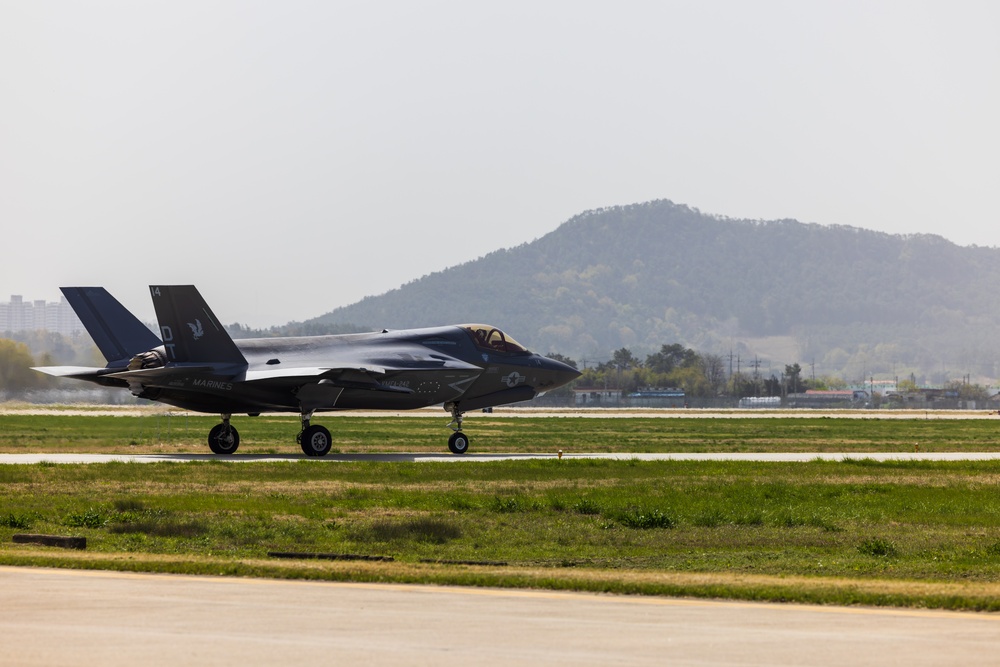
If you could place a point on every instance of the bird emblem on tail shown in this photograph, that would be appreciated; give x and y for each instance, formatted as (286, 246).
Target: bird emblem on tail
(196, 329)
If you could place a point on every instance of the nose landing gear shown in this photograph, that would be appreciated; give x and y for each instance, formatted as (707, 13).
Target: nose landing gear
(458, 443)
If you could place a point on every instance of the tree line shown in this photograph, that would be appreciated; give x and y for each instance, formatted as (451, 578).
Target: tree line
(24, 349)
(699, 374)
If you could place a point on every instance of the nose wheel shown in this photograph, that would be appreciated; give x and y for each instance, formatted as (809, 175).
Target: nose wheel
(458, 443)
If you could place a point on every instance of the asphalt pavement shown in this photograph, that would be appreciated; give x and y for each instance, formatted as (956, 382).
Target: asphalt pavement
(50, 617)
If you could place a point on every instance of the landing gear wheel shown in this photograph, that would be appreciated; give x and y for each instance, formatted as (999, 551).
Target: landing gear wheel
(458, 443)
(223, 439)
(315, 440)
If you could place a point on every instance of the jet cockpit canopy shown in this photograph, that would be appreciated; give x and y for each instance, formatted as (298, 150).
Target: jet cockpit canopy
(491, 338)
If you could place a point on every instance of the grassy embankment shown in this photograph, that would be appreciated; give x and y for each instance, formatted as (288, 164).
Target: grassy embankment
(911, 534)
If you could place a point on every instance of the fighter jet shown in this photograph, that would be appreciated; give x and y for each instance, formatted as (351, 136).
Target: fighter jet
(195, 365)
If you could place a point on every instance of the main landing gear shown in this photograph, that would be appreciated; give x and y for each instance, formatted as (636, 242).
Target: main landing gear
(458, 443)
(315, 440)
(223, 438)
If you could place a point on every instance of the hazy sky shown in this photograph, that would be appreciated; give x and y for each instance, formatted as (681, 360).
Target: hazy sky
(289, 157)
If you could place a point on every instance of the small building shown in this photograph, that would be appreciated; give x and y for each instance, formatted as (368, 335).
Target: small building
(834, 398)
(597, 398)
(755, 402)
(658, 397)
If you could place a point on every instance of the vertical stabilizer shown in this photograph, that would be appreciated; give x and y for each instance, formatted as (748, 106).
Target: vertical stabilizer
(191, 333)
(118, 333)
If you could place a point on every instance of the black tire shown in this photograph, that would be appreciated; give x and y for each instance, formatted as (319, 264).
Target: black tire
(223, 439)
(458, 443)
(315, 441)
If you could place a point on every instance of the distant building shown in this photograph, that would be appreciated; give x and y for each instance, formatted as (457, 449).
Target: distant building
(814, 398)
(760, 402)
(658, 397)
(19, 315)
(652, 397)
(595, 397)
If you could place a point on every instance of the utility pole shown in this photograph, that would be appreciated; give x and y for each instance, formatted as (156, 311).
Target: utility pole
(756, 375)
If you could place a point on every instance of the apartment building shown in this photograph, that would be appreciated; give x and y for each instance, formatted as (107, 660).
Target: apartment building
(19, 315)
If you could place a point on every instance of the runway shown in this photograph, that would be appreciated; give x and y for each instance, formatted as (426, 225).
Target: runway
(110, 618)
(773, 457)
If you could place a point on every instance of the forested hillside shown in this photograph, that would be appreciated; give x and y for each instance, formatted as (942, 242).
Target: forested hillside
(848, 300)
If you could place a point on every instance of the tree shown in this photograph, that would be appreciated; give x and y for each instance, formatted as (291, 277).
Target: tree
(566, 360)
(623, 359)
(714, 368)
(794, 375)
(967, 391)
(670, 357)
(692, 380)
(15, 367)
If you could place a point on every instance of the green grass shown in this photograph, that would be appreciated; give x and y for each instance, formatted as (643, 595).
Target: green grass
(849, 532)
(901, 533)
(183, 433)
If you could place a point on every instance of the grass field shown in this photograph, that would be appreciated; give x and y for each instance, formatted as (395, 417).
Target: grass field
(186, 433)
(850, 532)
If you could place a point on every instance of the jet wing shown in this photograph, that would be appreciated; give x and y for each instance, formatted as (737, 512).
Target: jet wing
(305, 372)
(359, 376)
(163, 374)
(346, 377)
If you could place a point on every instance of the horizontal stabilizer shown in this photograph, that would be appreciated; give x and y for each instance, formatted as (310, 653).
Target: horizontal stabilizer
(71, 371)
(163, 374)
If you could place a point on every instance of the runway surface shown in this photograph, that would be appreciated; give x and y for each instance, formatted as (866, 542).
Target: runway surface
(451, 458)
(84, 618)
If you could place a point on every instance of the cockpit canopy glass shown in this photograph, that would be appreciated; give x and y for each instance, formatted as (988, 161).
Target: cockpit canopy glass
(491, 338)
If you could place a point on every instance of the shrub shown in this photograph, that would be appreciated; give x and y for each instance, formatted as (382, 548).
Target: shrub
(425, 529)
(586, 506)
(16, 521)
(646, 520)
(507, 505)
(90, 518)
(878, 547)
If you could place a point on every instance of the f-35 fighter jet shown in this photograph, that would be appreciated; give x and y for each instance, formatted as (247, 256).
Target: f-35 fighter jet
(198, 366)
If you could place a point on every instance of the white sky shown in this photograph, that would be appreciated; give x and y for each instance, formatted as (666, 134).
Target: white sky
(289, 157)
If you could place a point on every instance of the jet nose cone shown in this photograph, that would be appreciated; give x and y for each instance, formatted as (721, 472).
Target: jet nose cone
(556, 374)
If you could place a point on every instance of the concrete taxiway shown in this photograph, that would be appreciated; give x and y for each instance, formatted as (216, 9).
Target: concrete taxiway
(778, 457)
(108, 618)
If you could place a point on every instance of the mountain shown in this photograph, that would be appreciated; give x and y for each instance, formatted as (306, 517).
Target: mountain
(839, 299)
